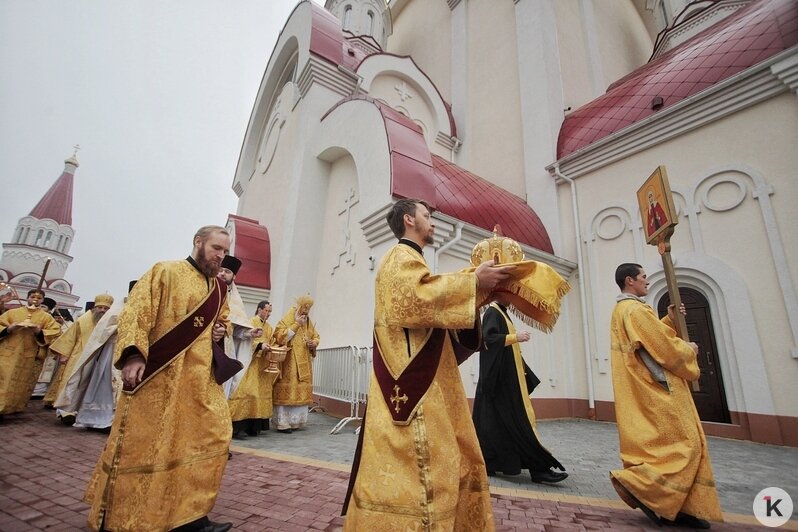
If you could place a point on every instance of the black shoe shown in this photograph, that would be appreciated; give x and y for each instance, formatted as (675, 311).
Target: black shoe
(216, 527)
(239, 436)
(688, 521)
(252, 432)
(285, 431)
(627, 497)
(68, 419)
(549, 476)
(204, 524)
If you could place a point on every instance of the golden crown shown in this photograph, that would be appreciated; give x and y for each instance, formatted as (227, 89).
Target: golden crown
(501, 249)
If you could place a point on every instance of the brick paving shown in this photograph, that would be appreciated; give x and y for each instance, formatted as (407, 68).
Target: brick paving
(44, 468)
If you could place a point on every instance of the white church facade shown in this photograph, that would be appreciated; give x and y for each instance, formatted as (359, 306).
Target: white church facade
(545, 117)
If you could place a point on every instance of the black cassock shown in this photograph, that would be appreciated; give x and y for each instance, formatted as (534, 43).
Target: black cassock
(508, 442)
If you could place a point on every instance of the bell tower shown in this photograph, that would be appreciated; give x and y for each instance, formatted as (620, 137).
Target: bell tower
(45, 233)
(364, 18)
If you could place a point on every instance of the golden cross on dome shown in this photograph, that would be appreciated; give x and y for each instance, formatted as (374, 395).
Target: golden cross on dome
(77, 147)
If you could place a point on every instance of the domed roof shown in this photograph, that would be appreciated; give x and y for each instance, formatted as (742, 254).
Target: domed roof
(470, 198)
(750, 35)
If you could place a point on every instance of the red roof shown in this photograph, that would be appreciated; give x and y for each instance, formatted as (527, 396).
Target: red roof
(469, 198)
(411, 166)
(750, 35)
(416, 173)
(253, 247)
(56, 204)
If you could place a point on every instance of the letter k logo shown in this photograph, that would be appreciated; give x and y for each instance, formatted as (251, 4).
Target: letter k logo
(772, 506)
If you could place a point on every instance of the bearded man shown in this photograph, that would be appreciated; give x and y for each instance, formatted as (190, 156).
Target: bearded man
(163, 463)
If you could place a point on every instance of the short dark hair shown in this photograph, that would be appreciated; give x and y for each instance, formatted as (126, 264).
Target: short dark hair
(263, 304)
(627, 269)
(396, 216)
(35, 291)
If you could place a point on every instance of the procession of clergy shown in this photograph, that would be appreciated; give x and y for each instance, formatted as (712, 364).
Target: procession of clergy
(70, 365)
(125, 368)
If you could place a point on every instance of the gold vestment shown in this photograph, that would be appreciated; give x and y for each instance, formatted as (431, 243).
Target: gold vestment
(69, 346)
(165, 456)
(428, 474)
(662, 444)
(21, 356)
(252, 399)
(294, 386)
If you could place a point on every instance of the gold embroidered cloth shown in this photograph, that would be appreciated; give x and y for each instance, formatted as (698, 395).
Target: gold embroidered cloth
(294, 386)
(164, 459)
(429, 474)
(70, 346)
(662, 444)
(21, 356)
(252, 399)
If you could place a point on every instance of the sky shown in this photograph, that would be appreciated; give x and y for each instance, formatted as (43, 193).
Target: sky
(157, 94)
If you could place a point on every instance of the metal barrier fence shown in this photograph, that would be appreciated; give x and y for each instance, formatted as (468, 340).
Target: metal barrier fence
(343, 373)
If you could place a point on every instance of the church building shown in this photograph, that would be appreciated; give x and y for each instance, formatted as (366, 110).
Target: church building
(545, 117)
(44, 234)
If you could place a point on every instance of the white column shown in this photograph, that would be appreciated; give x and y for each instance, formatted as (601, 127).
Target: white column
(541, 106)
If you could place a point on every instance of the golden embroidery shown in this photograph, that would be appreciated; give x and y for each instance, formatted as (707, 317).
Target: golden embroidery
(396, 398)
(199, 321)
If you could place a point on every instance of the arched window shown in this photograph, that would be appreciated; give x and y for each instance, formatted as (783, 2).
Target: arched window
(66, 245)
(39, 236)
(347, 16)
(18, 238)
(60, 239)
(48, 238)
(370, 24)
(25, 238)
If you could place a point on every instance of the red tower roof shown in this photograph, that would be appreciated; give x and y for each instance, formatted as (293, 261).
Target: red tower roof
(750, 35)
(56, 204)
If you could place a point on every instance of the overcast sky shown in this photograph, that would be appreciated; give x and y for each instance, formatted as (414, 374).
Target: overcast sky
(158, 95)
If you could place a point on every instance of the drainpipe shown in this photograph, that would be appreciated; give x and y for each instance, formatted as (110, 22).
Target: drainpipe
(591, 397)
(458, 234)
(455, 148)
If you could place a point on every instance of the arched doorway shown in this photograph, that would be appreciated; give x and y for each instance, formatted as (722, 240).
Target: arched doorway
(710, 400)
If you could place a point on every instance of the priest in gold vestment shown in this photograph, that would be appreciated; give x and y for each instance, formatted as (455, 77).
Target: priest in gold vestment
(69, 347)
(419, 465)
(251, 400)
(667, 471)
(24, 334)
(162, 465)
(293, 390)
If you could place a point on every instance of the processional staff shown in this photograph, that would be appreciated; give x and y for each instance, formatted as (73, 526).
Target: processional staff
(658, 212)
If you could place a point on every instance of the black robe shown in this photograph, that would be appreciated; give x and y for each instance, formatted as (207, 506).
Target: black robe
(505, 434)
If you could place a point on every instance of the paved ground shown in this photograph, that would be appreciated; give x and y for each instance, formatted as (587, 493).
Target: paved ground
(296, 482)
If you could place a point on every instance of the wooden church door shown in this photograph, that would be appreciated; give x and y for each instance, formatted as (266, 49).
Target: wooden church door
(710, 400)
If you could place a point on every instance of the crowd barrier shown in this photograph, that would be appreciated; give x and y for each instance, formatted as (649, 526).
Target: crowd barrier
(343, 373)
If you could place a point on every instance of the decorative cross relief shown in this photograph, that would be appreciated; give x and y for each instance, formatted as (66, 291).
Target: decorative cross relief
(346, 252)
(403, 93)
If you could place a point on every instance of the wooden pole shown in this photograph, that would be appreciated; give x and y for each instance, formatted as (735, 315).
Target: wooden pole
(664, 248)
(44, 272)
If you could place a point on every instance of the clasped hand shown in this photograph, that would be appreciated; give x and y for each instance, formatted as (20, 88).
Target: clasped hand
(489, 275)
